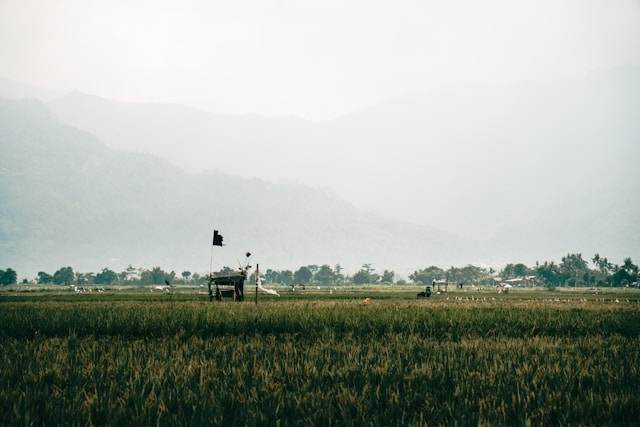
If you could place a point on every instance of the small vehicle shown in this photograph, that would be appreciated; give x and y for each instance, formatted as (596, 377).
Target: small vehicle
(426, 294)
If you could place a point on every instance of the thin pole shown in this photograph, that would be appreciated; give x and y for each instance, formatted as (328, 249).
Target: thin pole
(211, 274)
(257, 278)
(211, 263)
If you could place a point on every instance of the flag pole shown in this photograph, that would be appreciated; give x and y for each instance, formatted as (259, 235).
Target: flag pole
(210, 272)
(211, 262)
(217, 241)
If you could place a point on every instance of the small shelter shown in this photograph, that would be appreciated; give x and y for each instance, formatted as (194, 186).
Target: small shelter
(440, 285)
(227, 285)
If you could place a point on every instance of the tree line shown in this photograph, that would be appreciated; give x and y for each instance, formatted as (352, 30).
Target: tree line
(309, 274)
(327, 275)
(8, 276)
(572, 270)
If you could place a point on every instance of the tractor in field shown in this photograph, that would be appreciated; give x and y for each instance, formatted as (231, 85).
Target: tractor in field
(426, 294)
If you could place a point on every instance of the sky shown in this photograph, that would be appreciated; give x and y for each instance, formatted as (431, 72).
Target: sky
(491, 120)
(313, 59)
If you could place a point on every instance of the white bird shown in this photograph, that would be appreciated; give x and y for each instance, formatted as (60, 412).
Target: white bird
(265, 290)
(269, 291)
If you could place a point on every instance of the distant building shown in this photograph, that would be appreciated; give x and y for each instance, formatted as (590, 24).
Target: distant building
(526, 281)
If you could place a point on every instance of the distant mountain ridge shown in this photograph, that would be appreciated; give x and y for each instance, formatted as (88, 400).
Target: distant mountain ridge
(542, 160)
(70, 200)
(531, 171)
(11, 89)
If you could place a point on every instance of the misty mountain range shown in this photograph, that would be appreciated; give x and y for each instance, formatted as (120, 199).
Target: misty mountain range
(520, 173)
(70, 200)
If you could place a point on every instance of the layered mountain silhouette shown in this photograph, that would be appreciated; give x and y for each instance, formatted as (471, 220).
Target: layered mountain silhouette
(533, 169)
(67, 199)
(528, 172)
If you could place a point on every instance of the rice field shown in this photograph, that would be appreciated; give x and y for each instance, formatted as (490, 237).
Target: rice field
(519, 359)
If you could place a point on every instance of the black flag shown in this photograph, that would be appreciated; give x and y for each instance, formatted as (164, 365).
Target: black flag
(217, 238)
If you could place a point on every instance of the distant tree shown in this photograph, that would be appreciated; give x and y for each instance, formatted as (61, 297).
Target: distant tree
(337, 271)
(271, 276)
(625, 274)
(387, 276)
(520, 270)
(602, 263)
(325, 275)
(128, 275)
(574, 268)
(303, 275)
(8, 277)
(604, 269)
(199, 279)
(507, 272)
(155, 276)
(427, 275)
(106, 277)
(360, 278)
(44, 278)
(366, 275)
(627, 265)
(621, 278)
(252, 278)
(185, 275)
(122, 276)
(467, 274)
(550, 274)
(511, 271)
(374, 277)
(85, 278)
(368, 268)
(285, 277)
(64, 276)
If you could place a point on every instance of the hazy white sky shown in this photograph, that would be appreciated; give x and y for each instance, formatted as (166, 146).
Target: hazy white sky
(315, 59)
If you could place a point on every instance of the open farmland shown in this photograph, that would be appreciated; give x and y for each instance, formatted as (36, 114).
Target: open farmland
(471, 357)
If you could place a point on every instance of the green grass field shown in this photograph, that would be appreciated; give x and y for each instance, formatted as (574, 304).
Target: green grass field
(467, 357)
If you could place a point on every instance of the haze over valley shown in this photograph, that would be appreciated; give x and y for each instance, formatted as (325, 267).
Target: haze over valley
(433, 145)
